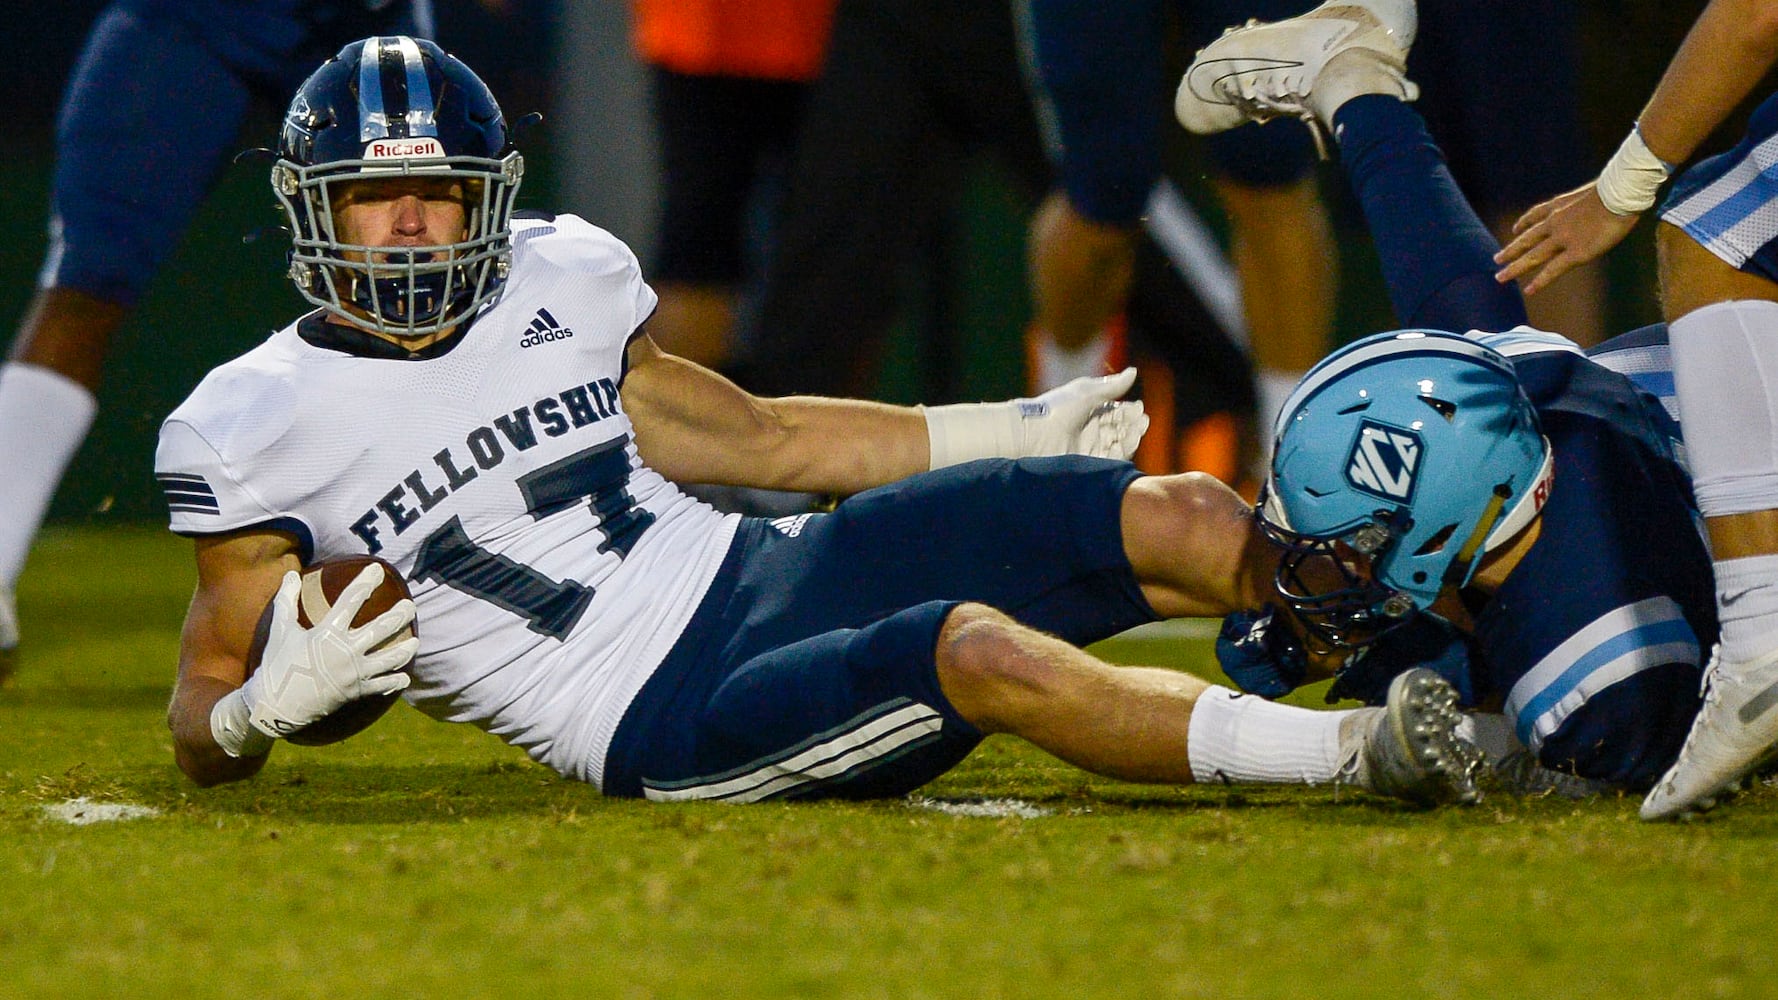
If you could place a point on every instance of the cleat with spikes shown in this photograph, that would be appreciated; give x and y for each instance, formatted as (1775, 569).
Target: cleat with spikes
(1520, 774)
(1412, 751)
(1259, 71)
(1735, 732)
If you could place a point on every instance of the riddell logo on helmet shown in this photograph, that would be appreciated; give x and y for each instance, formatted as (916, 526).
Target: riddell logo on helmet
(397, 149)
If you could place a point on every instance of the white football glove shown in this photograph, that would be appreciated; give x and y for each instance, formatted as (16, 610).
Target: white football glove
(1083, 417)
(306, 673)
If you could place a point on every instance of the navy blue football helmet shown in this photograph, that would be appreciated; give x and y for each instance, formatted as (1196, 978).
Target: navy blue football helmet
(1397, 463)
(396, 107)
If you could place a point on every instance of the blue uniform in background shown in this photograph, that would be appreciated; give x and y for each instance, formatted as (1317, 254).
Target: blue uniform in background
(154, 111)
(1107, 93)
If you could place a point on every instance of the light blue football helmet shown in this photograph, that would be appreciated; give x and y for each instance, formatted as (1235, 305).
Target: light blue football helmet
(1397, 462)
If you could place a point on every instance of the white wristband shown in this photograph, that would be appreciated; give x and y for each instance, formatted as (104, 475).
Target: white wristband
(1632, 177)
(232, 731)
(964, 432)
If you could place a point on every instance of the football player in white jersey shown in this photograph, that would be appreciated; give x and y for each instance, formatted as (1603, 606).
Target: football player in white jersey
(476, 401)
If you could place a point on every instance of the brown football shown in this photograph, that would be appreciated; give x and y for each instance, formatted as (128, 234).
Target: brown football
(321, 586)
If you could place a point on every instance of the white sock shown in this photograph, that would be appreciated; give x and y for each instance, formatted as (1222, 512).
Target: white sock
(1056, 365)
(1747, 603)
(1355, 73)
(1235, 737)
(1725, 370)
(43, 418)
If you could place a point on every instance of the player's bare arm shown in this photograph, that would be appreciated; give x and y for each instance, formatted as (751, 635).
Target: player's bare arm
(237, 575)
(693, 425)
(1729, 49)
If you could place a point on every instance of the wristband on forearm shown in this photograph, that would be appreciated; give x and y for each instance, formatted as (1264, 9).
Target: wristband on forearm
(230, 728)
(964, 432)
(1632, 177)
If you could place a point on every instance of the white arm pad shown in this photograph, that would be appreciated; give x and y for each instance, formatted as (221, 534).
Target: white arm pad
(1632, 177)
(1083, 417)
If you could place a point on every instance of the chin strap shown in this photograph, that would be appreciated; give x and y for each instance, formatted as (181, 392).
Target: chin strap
(1530, 503)
(1497, 527)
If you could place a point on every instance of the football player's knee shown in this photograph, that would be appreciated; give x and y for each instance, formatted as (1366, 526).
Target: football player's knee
(974, 641)
(1175, 497)
(986, 664)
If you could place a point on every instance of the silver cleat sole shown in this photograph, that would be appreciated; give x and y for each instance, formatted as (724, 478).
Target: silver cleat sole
(1414, 753)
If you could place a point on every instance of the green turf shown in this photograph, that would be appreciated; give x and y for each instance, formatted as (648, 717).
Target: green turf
(421, 860)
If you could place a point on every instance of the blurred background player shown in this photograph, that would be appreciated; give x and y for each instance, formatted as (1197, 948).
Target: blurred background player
(1500, 92)
(1719, 294)
(131, 167)
(1105, 80)
(727, 85)
(915, 98)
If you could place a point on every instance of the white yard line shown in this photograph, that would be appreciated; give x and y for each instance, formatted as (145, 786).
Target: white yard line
(988, 808)
(83, 811)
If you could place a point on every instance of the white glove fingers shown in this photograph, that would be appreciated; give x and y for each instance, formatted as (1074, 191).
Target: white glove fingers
(352, 597)
(285, 600)
(1135, 425)
(387, 684)
(380, 628)
(383, 661)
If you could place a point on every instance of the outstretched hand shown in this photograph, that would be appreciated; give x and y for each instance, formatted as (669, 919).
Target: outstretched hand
(1559, 235)
(1084, 417)
(1087, 417)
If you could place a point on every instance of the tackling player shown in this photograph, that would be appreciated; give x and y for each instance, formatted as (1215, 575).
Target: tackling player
(1507, 509)
(576, 603)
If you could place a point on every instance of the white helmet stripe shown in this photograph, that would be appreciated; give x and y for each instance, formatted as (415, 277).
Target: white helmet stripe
(373, 121)
(373, 106)
(1404, 342)
(421, 119)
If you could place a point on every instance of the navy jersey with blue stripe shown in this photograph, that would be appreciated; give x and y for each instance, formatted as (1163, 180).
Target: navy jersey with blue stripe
(1596, 639)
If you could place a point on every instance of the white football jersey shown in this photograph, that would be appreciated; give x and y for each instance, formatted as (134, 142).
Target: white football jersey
(552, 570)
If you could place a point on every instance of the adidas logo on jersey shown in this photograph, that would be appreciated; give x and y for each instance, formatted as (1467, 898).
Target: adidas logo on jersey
(791, 526)
(544, 329)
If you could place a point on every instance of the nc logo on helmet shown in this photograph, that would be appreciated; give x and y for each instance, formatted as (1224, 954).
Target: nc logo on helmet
(1384, 461)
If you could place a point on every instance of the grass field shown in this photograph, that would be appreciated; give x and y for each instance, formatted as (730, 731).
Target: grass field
(422, 860)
